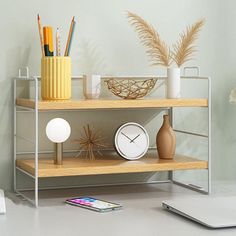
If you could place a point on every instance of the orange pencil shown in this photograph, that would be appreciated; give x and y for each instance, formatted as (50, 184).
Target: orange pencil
(40, 36)
(69, 37)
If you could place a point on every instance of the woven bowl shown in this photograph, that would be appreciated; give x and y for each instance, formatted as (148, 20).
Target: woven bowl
(130, 88)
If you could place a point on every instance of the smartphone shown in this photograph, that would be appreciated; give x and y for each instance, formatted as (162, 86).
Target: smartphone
(93, 204)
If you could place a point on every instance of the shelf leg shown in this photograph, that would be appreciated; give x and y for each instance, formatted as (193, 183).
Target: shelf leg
(171, 117)
(209, 135)
(14, 159)
(36, 143)
(191, 187)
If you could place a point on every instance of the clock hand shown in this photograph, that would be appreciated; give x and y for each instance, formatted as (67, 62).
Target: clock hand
(126, 136)
(134, 138)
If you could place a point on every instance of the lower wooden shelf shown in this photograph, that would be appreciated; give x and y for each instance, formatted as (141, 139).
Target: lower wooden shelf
(108, 165)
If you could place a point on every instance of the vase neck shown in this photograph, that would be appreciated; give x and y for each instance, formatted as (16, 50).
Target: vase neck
(173, 68)
(166, 120)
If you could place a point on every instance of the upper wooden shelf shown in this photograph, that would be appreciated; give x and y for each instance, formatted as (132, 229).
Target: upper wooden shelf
(85, 104)
(108, 165)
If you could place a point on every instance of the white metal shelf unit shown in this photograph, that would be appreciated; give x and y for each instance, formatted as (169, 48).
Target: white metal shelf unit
(35, 110)
(208, 136)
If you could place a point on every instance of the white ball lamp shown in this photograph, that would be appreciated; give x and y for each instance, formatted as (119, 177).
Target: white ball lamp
(58, 131)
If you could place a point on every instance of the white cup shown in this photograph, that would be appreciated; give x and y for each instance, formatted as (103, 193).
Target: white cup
(92, 86)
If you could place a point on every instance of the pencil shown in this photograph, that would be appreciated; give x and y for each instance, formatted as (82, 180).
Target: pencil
(72, 33)
(58, 43)
(40, 36)
(69, 37)
(48, 41)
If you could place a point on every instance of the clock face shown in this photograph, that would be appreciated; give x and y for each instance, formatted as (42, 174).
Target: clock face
(131, 141)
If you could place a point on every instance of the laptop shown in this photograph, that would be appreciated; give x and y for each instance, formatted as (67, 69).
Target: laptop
(2, 203)
(213, 212)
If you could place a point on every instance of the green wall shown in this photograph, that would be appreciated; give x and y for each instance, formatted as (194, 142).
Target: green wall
(104, 43)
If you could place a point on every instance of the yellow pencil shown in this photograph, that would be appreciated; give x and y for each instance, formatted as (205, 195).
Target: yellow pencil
(40, 36)
(69, 37)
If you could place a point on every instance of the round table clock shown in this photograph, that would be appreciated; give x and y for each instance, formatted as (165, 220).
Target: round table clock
(131, 141)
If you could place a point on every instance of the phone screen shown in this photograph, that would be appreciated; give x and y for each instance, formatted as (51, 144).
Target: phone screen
(93, 204)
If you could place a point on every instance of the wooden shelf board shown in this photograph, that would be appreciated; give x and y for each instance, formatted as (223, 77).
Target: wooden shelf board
(111, 104)
(108, 165)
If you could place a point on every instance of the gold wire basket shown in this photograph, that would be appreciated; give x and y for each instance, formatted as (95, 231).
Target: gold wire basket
(130, 88)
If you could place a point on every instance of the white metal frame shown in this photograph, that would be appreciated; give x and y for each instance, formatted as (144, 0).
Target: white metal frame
(36, 79)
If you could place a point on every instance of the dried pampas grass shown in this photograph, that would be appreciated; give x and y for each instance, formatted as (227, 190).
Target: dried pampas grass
(184, 49)
(158, 50)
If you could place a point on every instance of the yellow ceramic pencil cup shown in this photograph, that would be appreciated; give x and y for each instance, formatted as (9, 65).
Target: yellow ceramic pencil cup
(56, 78)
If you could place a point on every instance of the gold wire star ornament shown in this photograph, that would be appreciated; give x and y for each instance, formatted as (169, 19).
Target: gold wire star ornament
(90, 142)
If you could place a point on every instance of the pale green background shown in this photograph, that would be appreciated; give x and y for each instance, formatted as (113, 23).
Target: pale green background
(105, 43)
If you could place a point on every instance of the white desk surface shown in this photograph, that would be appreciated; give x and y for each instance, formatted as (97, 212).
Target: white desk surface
(142, 214)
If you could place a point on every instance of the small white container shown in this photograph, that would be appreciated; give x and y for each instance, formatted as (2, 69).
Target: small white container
(173, 83)
(92, 86)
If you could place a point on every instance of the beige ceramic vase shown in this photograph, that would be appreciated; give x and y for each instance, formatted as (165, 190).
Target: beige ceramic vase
(165, 140)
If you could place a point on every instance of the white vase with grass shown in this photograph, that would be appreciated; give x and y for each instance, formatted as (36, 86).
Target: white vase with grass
(160, 53)
(173, 83)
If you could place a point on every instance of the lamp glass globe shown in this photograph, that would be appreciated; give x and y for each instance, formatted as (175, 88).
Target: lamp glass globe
(58, 130)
